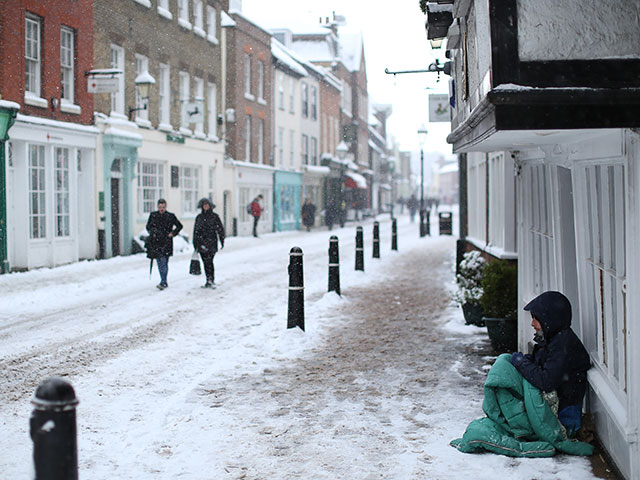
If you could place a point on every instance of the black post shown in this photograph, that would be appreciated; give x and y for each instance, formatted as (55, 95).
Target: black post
(296, 290)
(53, 431)
(423, 229)
(428, 223)
(359, 249)
(376, 240)
(334, 265)
(394, 234)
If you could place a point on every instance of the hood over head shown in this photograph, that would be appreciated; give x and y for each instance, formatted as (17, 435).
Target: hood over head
(552, 310)
(206, 200)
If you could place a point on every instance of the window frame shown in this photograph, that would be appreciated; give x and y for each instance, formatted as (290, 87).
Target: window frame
(37, 195)
(190, 187)
(67, 70)
(305, 99)
(164, 96)
(247, 138)
(147, 203)
(33, 55)
(212, 24)
(62, 193)
(117, 98)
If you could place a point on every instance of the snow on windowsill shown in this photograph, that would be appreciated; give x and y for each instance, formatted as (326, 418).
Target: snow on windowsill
(68, 107)
(163, 12)
(144, 3)
(200, 32)
(185, 131)
(262, 101)
(200, 135)
(143, 122)
(248, 96)
(213, 138)
(185, 24)
(213, 40)
(30, 99)
(165, 127)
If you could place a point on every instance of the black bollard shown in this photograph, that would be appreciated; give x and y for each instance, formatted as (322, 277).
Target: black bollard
(53, 431)
(334, 265)
(423, 230)
(394, 234)
(359, 249)
(428, 221)
(296, 290)
(376, 240)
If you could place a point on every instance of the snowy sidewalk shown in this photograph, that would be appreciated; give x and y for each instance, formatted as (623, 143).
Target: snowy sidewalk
(196, 384)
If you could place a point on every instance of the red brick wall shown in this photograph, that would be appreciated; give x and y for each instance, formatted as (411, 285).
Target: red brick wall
(77, 14)
(245, 37)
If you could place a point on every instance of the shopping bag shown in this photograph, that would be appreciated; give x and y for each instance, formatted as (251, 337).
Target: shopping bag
(194, 268)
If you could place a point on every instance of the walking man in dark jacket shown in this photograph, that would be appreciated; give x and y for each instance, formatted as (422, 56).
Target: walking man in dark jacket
(207, 230)
(559, 361)
(162, 226)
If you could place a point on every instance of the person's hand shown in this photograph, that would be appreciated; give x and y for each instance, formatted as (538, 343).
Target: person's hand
(516, 358)
(170, 234)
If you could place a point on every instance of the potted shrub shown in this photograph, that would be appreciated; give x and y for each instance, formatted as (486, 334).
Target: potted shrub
(469, 289)
(499, 302)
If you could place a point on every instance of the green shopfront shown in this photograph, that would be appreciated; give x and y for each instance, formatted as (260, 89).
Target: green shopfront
(287, 189)
(120, 149)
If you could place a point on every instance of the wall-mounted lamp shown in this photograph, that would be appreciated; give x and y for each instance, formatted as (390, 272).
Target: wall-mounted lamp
(143, 85)
(54, 102)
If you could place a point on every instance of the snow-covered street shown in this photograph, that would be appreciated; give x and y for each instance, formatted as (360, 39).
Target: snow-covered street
(210, 384)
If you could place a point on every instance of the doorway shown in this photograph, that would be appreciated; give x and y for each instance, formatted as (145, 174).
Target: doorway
(115, 216)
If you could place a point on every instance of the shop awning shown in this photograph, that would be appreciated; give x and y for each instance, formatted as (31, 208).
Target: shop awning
(355, 180)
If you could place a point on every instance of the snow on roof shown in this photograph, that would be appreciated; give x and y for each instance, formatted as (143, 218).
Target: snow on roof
(56, 123)
(287, 58)
(226, 20)
(314, 51)
(9, 105)
(351, 51)
(448, 168)
(247, 19)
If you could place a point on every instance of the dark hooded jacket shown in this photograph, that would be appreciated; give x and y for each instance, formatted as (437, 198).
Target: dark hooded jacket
(207, 230)
(559, 360)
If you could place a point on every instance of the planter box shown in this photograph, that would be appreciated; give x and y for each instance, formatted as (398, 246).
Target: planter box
(503, 333)
(473, 314)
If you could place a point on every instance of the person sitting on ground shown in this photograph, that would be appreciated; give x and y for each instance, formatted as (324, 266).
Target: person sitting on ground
(559, 361)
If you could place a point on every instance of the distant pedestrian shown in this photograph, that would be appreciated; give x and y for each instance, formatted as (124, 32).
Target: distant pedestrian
(162, 226)
(330, 213)
(256, 211)
(308, 214)
(412, 205)
(207, 231)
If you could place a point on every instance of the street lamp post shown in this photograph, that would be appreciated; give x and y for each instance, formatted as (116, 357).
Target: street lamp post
(8, 112)
(422, 137)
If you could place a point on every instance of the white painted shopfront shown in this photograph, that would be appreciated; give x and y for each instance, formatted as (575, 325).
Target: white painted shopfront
(50, 193)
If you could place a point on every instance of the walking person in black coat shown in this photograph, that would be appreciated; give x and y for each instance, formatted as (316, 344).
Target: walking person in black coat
(559, 361)
(162, 226)
(207, 231)
(308, 214)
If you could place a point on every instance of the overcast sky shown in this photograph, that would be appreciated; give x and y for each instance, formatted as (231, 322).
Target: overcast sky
(394, 38)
